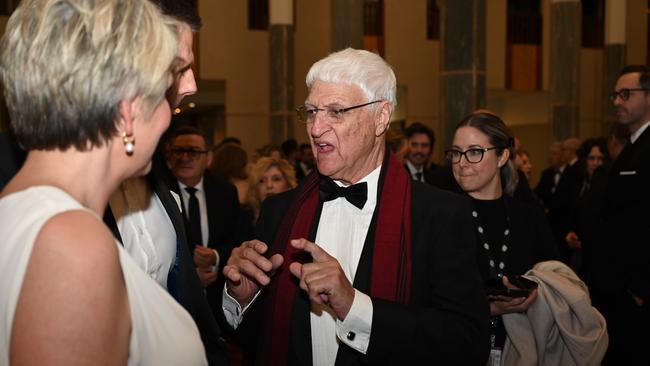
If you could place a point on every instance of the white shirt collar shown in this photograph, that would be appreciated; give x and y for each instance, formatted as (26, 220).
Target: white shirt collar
(412, 168)
(198, 186)
(638, 132)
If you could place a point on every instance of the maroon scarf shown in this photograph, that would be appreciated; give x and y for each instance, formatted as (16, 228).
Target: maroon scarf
(391, 261)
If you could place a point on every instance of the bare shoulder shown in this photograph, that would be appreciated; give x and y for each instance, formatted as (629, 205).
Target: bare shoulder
(73, 289)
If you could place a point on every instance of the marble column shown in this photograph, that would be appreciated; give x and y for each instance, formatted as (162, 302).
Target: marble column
(347, 24)
(613, 55)
(566, 39)
(281, 70)
(463, 62)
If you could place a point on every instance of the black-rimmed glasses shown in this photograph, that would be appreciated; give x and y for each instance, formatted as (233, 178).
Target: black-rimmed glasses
(308, 114)
(474, 155)
(192, 153)
(624, 94)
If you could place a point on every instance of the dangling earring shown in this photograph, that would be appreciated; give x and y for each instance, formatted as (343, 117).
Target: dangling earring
(129, 143)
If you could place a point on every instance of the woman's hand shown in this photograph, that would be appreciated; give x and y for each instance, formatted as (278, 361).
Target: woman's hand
(505, 305)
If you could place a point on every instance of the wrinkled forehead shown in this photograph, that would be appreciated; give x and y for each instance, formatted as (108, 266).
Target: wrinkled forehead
(323, 93)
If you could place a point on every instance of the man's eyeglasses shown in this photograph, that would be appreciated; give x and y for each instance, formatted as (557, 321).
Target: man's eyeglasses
(192, 153)
(473, 156)
(308, 114)
(624, 94)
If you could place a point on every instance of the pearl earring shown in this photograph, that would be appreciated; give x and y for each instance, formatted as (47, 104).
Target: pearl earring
(129, 143)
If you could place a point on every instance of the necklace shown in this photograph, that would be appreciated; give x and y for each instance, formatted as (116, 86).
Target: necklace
(496, 255)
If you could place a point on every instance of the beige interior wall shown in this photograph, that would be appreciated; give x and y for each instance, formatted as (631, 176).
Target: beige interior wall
(637, 31)
(546, 44)
(311, 43)
(495, 46)
(415, 60)
(592, 95)
(230, 51)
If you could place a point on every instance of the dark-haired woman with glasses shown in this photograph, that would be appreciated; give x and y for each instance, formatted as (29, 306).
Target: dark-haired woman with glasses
(512, 235)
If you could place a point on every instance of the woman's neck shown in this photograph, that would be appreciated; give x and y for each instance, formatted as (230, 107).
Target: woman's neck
(487, 193)
(86, 176)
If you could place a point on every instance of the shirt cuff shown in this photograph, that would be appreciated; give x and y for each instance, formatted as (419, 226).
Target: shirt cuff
(216, 264)
(355, 329)
(232, 311)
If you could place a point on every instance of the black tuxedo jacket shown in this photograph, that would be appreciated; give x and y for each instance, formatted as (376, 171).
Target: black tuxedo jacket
(11, 158)
(188, 286)
(625, 213)
(544, 188)
(562, 201)
(223, 214)
(447, 319)
(224, 227)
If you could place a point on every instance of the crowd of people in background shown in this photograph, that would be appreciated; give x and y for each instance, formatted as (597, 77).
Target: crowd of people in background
(354, 248)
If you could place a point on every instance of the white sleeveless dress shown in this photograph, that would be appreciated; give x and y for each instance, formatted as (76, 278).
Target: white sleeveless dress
(162, 332)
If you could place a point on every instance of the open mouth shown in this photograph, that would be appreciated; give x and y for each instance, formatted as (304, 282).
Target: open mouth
(323, 147)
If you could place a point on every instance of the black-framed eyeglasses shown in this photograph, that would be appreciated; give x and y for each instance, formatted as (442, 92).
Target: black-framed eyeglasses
(192, 153)
(307, 114)
(624, 94)
(473, 155)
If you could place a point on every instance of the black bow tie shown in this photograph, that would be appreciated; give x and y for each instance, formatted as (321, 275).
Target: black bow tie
(356, 194)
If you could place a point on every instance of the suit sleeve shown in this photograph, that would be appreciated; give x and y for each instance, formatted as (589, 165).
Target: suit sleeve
(447, 320)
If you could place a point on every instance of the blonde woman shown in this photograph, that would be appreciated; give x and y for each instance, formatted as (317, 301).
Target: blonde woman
(85, 83)
(267, 177)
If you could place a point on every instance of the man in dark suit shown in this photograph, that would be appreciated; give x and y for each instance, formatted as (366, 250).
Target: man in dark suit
(550, 176)
(420, 141)
(145, 216)
(11, 158)
(622, 284)
(364, 266)
(210, 205)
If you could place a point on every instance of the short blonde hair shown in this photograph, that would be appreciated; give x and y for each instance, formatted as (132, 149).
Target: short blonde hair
(67, 64)
(256, 172)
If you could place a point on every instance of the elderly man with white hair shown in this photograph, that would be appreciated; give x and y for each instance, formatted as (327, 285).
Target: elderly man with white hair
(359, 264)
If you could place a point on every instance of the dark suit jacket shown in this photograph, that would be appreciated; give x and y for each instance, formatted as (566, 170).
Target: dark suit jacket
(188, 286)
(544, 188)
(447, 319)
(565, 196)
(11, 158)
(625, 212)
(223, 224)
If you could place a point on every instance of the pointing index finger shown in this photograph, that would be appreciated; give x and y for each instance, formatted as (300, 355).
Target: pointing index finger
(317, 253)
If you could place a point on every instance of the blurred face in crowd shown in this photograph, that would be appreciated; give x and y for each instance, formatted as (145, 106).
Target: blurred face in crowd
(526, 166)
(480, 180)
(555, 156)
(594, 160)
(636, 109)
(184, 83)
(420, 149)
(189, 158)
(272, 182)
(349, 146)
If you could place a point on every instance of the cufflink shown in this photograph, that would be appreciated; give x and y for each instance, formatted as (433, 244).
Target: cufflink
(350, 336)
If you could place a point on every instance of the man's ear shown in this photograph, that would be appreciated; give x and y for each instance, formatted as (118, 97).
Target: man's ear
(209, 158)
(383, 120)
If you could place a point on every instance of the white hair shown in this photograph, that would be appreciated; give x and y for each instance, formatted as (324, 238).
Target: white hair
(362, 68)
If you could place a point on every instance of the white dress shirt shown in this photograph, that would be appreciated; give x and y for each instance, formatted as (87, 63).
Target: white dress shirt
(203, 210)
(147, 232)
(342, 232)
(638, 132)
(413, 171)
